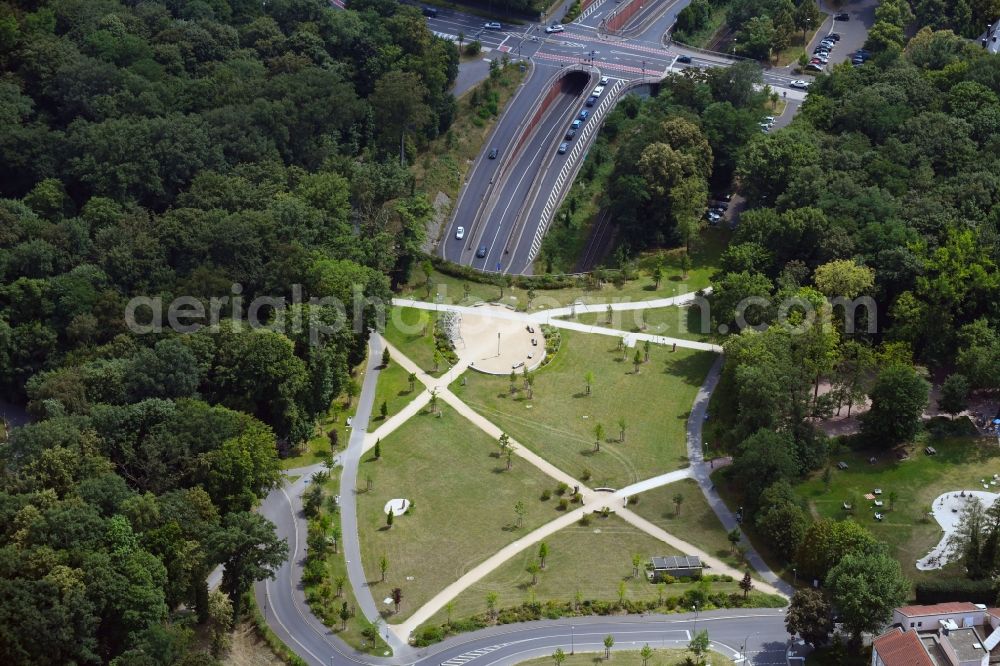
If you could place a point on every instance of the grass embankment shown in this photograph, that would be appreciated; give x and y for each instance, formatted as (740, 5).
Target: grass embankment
(797, 47)
(706, 35)
(559, 421)
(639, 287)
(443, 165)
(694, 521)
(685, 323)
(590, 652)
(587, 561)
(463, 506)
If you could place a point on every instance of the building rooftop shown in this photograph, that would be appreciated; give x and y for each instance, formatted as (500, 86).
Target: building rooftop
(901, 648)
(677, 562)
(967, 644)
(939, 609)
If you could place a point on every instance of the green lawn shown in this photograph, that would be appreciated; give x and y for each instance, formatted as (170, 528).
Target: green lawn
(411, 331)
(705, 257)
(559, 422)
(675, 322)
(393, 388)
(661, 657)
(961, 463)
(592, 560)
(696, 523)
(463, 506)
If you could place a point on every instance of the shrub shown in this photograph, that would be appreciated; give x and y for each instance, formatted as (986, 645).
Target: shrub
(428, 635)
(561, 488)
(585, 520)
(563, 504)
(546, 495)
(585, 476)
(473, 48)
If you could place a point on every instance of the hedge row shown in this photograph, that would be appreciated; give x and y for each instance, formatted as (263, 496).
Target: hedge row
(957, 589)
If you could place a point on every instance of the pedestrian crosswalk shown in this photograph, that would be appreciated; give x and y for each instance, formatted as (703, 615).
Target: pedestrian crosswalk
(589, 10)
(469, 656)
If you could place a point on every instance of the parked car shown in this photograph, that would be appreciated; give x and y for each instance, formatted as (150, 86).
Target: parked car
(584, 115)
(591, 101)
(686, 59)
(799, 83)
(460, 233)
(842, 16)
(555, 27)
(481, 252)
(494, 153)
(429, 11)
(492, 25)
(570, 134)
(834, 36)
(812, 67)
(563, 147)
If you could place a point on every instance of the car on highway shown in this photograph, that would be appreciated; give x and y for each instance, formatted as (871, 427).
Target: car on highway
(604, 80)
(429, 11)
(576, 124)
(460, 233)
(842, 16)
(555, 27)
(481, 252)
(686, 59)
(591, 101)
(597, 91)
(799, 83)
(583, 115)
(563, 147)
(570, 134)
(494, 153)
(492, 25)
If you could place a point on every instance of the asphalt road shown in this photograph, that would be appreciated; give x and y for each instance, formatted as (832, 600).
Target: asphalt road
(495, 208)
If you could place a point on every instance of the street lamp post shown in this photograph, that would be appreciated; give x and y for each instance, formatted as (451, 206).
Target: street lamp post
(695, 609)
(572, 640)
(795, 576)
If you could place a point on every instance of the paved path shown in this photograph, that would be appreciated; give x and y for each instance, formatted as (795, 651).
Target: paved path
(551, 317)
(701, 473)
(290, 616)
(348, 496)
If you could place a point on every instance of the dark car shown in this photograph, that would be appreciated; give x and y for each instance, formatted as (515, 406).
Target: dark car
(686, 59)
(494, 153)
(429, 11)
(584, 115)
(481, 252)
(570, 134)
(842, 16)
(834, 36)
(591, 101)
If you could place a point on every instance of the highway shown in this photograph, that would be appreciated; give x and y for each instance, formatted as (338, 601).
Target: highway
(507, 203)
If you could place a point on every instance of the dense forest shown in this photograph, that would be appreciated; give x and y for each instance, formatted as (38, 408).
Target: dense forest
(885, 191)
(159, 149)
